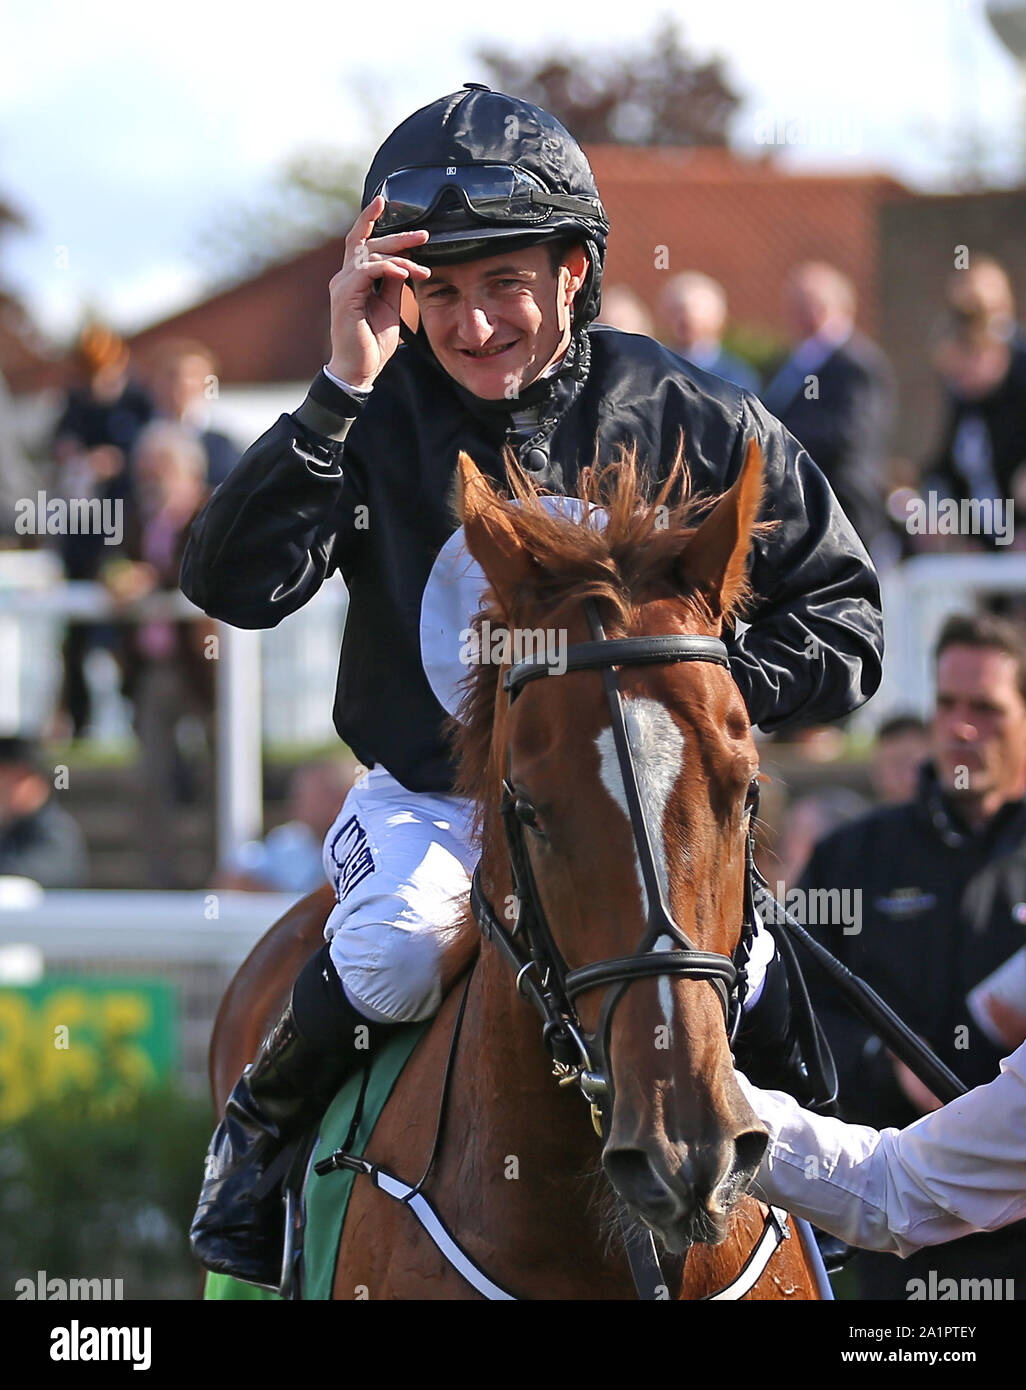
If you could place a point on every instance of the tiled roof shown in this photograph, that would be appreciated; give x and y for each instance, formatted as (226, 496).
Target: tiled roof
(27, 361)
(744, 222)
(272, 327)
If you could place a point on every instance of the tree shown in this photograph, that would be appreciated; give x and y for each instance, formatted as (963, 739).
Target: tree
(314, 195)
(23, 348)
(657, 96)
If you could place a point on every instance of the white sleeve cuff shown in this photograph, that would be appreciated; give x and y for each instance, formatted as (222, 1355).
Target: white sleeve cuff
(353, 390)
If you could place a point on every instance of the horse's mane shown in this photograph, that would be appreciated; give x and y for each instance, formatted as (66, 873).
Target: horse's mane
(632, 555)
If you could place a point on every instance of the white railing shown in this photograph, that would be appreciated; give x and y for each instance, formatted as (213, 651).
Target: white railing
(278, 685)
(192, 941)
(917, 597)
(215, 928)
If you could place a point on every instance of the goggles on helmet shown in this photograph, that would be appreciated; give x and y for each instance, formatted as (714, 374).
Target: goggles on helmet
(495, 193)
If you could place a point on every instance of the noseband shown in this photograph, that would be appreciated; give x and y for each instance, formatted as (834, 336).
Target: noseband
(542, 973)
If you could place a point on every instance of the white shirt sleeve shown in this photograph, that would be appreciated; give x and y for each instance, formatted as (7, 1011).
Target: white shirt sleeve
(353, 390)
(958, 1170)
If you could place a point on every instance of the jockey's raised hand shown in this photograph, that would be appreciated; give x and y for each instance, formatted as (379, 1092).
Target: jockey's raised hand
(365, 298)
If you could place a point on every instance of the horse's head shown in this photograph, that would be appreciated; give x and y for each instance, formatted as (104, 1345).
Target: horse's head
(621, 843)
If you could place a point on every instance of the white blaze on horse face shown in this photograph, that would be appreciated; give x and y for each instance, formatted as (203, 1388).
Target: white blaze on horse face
(657, 747)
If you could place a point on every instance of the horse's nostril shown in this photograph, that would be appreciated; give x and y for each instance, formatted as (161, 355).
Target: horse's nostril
(749, 1149)
(631, 1173)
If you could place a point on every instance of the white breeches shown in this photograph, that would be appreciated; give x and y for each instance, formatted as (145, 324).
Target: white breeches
(400, 863)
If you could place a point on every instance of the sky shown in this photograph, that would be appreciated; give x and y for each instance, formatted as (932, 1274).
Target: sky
(127, 133)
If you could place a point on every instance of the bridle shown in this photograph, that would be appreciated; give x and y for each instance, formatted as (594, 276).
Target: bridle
(542, 973)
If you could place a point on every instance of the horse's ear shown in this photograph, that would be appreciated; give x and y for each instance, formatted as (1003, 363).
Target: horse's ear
(490, 535)
(714, 559)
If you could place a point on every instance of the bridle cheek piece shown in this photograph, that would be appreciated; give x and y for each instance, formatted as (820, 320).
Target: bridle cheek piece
(542, 973)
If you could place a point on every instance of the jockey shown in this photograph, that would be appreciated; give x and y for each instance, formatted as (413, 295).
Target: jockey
(487, 209)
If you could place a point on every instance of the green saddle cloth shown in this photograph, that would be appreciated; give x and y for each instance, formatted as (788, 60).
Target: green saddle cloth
(327, 1198)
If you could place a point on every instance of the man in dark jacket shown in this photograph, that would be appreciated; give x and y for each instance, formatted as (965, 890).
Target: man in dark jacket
(835, 394)
(982, 361)
(92, 442)
(38, 837)
(487, 207)
(941, 887)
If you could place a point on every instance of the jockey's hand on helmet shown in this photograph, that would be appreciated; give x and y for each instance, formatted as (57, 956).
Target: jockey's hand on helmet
(365, 298)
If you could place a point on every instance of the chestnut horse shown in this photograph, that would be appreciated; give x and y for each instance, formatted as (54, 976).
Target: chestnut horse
(519, 1178)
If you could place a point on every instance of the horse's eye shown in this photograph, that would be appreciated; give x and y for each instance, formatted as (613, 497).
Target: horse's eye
(526, 814)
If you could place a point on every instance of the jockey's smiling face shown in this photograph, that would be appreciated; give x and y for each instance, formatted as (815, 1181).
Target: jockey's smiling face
(495, 324)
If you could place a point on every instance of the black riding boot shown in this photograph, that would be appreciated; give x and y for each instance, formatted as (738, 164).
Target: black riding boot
(319, 1041)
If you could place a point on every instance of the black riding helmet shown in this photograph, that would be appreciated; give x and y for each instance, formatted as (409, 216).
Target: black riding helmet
(483, 171)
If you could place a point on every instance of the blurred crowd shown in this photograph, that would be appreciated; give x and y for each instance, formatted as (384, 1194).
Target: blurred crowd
(835, 391)
(935, 869)
(148, 445)
(141, 445)
(140, 435)
(142, 440)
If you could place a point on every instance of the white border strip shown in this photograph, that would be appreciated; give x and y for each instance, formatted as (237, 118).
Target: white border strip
(429, 1219)
(771, 1238)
